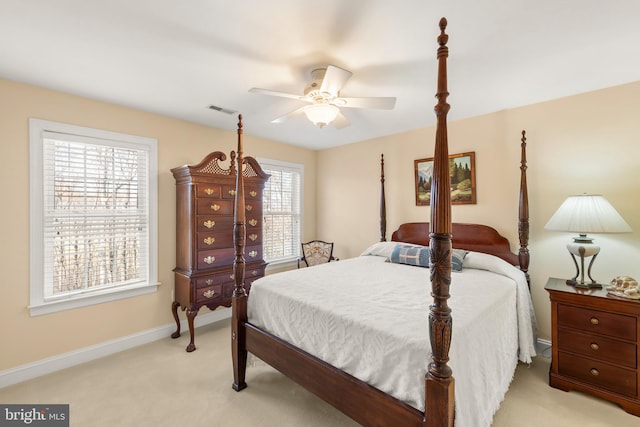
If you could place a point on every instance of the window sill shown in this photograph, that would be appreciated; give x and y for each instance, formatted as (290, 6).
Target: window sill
(39, 309)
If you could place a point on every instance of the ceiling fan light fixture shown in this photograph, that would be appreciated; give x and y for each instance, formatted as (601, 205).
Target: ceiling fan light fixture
(321, 114)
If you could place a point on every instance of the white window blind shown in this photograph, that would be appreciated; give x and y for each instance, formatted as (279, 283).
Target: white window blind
(282, 203)
(94, 224)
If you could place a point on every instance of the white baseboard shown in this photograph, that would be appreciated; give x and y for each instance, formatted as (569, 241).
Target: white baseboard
(543, 348)
(76, 357)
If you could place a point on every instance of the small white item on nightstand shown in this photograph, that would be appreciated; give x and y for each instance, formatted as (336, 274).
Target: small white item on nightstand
(624, 286)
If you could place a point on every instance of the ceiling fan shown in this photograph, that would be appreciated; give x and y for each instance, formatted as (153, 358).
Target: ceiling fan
(323, 96)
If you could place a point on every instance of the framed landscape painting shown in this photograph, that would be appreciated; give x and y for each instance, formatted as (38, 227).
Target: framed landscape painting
(462, 170)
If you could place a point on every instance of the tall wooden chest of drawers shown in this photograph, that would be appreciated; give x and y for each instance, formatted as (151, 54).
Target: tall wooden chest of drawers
(595, 340)
(205, 195)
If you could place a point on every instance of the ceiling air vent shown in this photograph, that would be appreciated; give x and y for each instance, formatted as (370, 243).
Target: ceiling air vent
(221, 109)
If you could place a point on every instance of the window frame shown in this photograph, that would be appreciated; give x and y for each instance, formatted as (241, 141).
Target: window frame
(38, 303)
(267, 165)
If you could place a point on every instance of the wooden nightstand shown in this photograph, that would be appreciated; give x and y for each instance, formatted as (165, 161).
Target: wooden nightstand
(595, 340)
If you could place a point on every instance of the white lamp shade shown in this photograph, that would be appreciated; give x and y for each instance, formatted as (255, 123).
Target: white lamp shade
(321, 114)
(587, 214)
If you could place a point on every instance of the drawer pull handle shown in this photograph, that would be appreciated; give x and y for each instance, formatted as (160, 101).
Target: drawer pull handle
(209, 240)
(595, 346)
(594, 372)
(254, 273)
(595, 321)
(253, 254)
(215, 207)
(209, 191)
(248, 208)
(232, 192)
(209, 293)
(210, 259)
(209, 282)
(253, 222)
(209, 224)
(253, 193)
(253, 237)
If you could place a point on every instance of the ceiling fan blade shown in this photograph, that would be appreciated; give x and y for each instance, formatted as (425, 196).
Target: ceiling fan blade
(276, 93)
(382, 103)
(287, 116)
(340, 121)
(334, 79)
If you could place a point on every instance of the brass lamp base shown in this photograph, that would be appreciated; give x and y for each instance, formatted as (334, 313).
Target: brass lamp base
(583, 247)
(582, 285)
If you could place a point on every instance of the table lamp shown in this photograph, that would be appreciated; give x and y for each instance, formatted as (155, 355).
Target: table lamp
(584, 214)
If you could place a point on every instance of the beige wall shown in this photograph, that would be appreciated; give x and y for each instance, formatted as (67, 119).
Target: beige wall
(585, 143)
(27, 339)
(581, 144)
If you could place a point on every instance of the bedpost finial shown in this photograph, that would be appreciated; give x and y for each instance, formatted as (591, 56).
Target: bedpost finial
(523, 155)
(443, 38)
(239, 121)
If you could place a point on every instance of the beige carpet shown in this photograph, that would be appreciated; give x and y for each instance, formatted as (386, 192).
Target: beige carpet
(159, 384)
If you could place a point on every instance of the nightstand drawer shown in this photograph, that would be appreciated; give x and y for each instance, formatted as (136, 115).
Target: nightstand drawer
(599, 374)
(602, 348)
(600, 322)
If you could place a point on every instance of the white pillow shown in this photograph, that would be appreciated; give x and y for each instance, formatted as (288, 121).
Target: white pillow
(383, 249)
(482, 261)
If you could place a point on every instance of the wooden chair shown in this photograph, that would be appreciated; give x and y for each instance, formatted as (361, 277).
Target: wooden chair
(316, 252)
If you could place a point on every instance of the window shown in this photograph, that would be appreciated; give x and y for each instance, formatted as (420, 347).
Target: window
(282, 203)
(93, 214)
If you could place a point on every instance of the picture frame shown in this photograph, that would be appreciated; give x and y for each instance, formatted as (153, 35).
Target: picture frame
(463, 179)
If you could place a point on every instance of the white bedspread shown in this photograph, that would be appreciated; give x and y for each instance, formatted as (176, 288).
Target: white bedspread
(369, 318)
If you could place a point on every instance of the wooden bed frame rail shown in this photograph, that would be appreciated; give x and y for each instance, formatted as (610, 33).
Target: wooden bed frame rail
(360, 401)
(365, 404)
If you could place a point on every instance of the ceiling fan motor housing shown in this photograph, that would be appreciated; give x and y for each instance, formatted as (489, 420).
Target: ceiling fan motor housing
(312, 89)
(323, 95)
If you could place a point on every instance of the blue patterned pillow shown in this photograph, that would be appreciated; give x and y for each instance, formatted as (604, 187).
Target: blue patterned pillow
(411, 255)
(419, 256)
(457, 258)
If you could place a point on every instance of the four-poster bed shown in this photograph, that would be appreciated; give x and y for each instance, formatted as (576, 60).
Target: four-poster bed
(377, 397)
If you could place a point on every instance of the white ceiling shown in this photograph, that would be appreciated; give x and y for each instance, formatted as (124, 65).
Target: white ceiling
(177, 57)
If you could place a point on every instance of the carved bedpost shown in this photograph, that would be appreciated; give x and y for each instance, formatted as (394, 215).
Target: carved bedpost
(239, 297)
(383, 205)
(439, 404)
(523, 211)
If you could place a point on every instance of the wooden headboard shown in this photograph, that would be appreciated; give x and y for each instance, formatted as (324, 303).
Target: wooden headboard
(472, 237)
